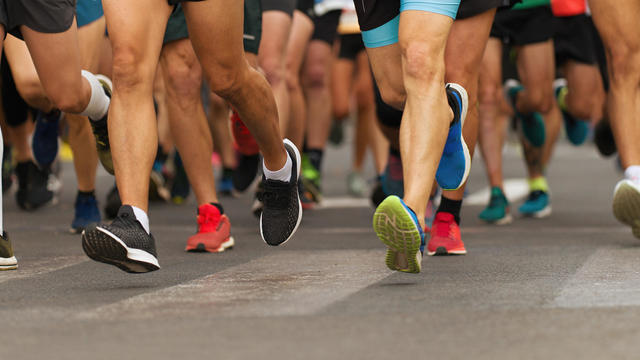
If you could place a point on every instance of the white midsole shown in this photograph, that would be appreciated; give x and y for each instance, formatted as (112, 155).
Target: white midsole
(133, 254)
(8, 261)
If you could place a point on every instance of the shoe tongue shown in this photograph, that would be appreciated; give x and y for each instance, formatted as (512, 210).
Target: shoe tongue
(444, 216)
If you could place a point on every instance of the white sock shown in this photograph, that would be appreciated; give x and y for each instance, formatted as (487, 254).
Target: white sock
(283, 174)
(633, 173)
(99, 101)
(142, 218)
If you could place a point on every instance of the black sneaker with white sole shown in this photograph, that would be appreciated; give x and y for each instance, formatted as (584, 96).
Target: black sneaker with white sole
(124, 243)
(282, 211)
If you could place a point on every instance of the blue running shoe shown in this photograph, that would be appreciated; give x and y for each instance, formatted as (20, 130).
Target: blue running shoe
(45, 138)
(392, 180)
(537, 205)
(398, 228)
(455, 162)
(532, 125)
(576, 129)
(86, 213)
(497, 212)
(225, 183)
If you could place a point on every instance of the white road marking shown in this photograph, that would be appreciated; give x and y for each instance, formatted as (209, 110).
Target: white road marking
(286, 283)
(345, 202)
(610, 277)
(28, 269)
(515, 190)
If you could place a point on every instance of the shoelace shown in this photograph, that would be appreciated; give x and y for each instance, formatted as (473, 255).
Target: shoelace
(442, 228)
(275, 194)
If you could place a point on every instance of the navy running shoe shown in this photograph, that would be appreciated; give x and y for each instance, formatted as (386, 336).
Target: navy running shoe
(45, 138)
(86, 212)
(455, 162)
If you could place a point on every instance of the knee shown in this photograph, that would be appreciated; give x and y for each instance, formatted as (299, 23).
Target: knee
(273, 70)
(488, 94)
(292, 80)
(183, 82)
(540, 99)
(70, 101)
(624, 63)
(316, 76)
(423, 61)
(227, 81)
(128, 70)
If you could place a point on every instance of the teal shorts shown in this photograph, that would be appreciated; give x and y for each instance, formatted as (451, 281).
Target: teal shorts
(88, 11)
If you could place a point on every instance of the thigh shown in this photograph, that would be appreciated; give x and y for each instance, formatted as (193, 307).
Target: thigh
(536, 66)
(90, 39)
(22, 68)
(617, 22)
(276, 26)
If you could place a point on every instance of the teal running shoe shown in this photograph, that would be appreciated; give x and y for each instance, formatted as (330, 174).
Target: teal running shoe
(497, 212)
(532, 124)
(455, 162)
(537, 205)
(398, 228)
(577, 130)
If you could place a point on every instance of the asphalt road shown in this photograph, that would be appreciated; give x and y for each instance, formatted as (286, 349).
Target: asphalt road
(564, 287)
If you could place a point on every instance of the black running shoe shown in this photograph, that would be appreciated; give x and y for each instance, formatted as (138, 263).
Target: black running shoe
(113, 203)
(100, 131)
(282, 211)
(603, 138)
(33, 190)
(258, 205)
(124, 243)
(246, 172)
(7, 169)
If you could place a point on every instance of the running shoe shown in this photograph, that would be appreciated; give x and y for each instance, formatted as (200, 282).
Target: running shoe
(7, 259)
(7, 169)
(124, 243)
(430, 212)
(455, 162)
(603, 138)
(311, 178)
(180, 188)
(305, 198)
(497, 212)
(101, 132)
(398, 228)
(282, 211)
(532, 125)
(45, 137)
(33, 191)
(86, 212)
(246, 171)
(113, 203)
(225, 183)
(537, 205)
(445, 236)
(214, 231)
(626, 205)
(356, 185)
(576, 129)
(392, 179)
(336, 133)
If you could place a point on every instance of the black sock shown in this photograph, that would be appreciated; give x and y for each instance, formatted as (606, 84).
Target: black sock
(219, 206)
(227, 172)
(91, 193)
(315, 157)
(394, 152)
(452, 207)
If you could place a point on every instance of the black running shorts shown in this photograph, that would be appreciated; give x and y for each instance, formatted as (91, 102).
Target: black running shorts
(306, 7)
(574, 40)
(350, 46)
(524, 27)
(326, 26)
(16, 114)
(45, 16)
(176, 2)
(286, 6)
(375, 13)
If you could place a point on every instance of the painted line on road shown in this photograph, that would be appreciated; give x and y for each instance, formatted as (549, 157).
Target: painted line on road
(515, 190)
(286, 283)
(27, 269)
(344, 202)
(609, 277)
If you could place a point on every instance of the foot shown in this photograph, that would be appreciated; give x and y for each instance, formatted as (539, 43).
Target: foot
(124, 243)
(576, 129)
(445, 236)
(45, 137)
(626, 205)
(86, 212)
(455, 162)
(7, 259)
(311, 179)
(532, 124)
(497, 212)
(398, 228)
(537, 205)
(100, 131)
(33, 186)
(225, 183)
(356, 185)
(214, 231)
(282, 211)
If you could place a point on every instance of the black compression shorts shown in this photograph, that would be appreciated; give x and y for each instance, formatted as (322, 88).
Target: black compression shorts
(326, 26)
(350, 46)
(574, 41)
(469, 8)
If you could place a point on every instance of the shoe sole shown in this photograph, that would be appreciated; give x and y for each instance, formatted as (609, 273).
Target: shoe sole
(626, 206)
(202, 247)
(299, 220)
(539, 214)
(465, 148)
(101, 245)
(8, 263)
(508, 219)
(394, 226)
(442, 251)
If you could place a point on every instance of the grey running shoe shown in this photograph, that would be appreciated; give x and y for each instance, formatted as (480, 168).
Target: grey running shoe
(7, 259)
(282, 211)
(626, 205)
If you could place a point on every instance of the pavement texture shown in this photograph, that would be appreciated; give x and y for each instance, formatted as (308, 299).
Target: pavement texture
(563, 287)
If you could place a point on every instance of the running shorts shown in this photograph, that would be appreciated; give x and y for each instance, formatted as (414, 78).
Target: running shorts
(15, 114)
(326, 26)
(380, 19)
(306, 7)
(574, 40)
(45, 16)
(177, 26)
(286, 6)
(470, 8)
(350, 46)
(176, 2)
(524, 27)
(88, 11)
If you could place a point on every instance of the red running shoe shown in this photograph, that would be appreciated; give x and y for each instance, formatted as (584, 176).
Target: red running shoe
(445, 236)
(213, 231)
(244, 141)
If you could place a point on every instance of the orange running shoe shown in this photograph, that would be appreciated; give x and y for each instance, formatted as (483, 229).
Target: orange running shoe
(445, 236)
(244, 141)
(214, 231)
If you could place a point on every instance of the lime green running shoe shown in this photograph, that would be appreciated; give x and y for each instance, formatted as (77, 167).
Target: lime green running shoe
(497, 212)
(398, 228)
(311, 179)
